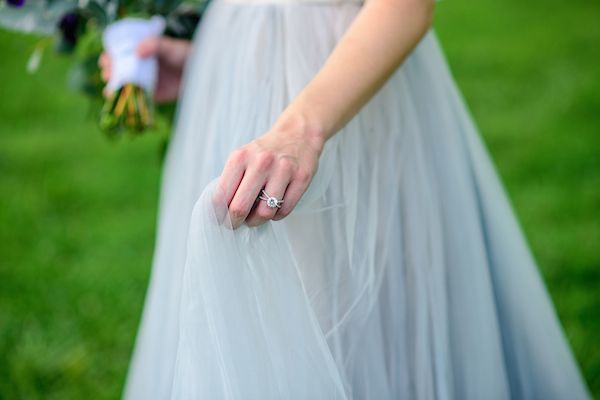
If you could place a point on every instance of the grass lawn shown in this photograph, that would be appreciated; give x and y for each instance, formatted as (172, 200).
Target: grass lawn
(77, 212)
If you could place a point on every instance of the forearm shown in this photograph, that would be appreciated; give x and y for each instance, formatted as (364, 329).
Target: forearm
(283, 161)
(379, 39)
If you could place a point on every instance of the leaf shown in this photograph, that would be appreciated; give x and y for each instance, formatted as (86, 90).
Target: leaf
(33, 64)
(96, 13)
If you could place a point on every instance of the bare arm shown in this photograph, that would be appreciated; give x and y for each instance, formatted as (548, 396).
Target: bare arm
(284, 159)
(376, 43)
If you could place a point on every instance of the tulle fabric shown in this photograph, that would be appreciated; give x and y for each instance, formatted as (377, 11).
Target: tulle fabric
(402, 274)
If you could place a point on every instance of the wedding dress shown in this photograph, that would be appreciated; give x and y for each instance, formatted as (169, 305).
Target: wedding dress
(402, 274)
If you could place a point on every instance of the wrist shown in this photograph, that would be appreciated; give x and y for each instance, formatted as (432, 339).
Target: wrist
(300, 122)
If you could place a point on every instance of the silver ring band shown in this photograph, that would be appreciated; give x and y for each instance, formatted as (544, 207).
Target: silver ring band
(272, 202)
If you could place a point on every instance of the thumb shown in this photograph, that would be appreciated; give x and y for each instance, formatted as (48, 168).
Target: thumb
(148, 47)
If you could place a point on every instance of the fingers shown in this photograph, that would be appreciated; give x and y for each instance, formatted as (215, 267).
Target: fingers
(296, 188)
(171, 52)
(245, 196)
(275, 187)
(104, 62)
(149, 47)
(228, 183)
(257, 166)
(232, 175)
(105, 66)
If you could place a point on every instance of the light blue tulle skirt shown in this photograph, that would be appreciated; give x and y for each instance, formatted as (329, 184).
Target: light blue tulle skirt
(402, 274)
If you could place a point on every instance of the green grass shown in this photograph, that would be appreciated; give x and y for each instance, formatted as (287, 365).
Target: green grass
(77, 227)
(529, 71)
(77, 212)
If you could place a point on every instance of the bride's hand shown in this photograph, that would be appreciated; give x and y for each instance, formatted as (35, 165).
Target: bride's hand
(171, 54)
(282, 162)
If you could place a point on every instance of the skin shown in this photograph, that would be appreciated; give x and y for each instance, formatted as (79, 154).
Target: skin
(284, 160)
(172, 55)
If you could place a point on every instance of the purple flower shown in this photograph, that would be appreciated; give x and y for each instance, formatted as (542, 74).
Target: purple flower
(15, 3)
(70, 27)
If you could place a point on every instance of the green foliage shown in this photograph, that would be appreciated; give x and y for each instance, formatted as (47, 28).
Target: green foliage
(77, 212)
(77, 220)
(77, 27)
(84, 74)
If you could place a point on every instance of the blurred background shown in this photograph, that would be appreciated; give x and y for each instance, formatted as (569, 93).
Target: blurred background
(77, 211)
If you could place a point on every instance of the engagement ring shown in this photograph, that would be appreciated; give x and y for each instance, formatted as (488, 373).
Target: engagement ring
(272, 202)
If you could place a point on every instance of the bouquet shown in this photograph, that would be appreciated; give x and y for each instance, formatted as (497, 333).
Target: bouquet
(84, 27)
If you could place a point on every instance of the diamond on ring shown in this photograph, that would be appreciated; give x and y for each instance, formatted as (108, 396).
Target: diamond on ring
(272, 202)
